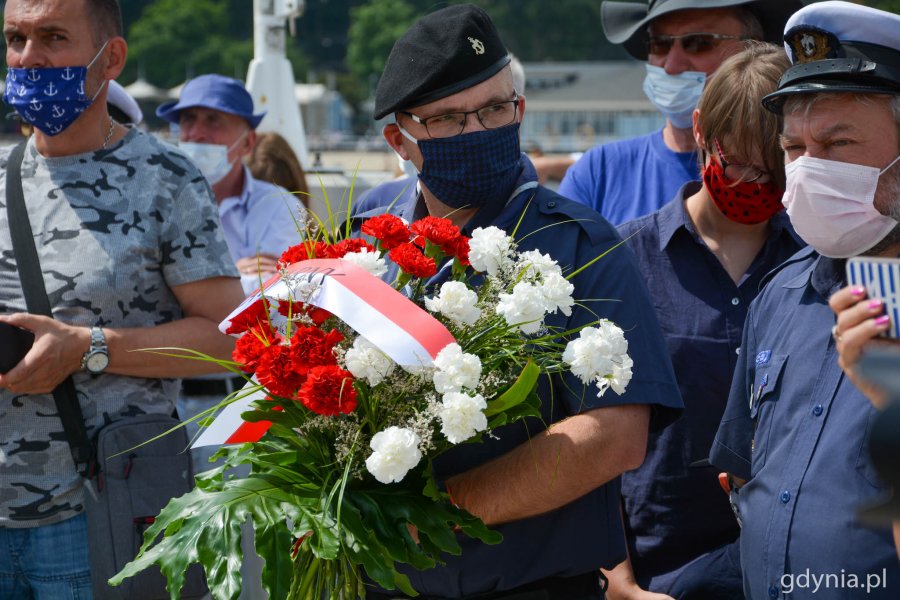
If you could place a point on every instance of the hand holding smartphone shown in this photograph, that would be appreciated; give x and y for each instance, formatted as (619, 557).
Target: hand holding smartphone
(881, 279)
(14, 345)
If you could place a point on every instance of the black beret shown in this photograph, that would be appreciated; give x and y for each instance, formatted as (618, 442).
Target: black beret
(442, 53)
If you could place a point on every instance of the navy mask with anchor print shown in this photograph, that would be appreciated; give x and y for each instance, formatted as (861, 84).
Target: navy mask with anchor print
(49, 98)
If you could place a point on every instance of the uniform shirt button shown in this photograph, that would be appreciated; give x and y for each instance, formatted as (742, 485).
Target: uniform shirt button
(818, 410)
(735, 301)
(773, 592)
(785, 496)
(737, 350)
(551, 204)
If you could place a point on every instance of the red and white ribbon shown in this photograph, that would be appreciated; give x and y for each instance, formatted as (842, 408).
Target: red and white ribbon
(388, 319)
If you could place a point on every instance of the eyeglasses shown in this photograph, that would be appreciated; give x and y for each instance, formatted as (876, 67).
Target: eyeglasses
(737, 171)
(451, 124)
(691, 43)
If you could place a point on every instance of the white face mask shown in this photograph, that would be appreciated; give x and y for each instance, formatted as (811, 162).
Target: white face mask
(211, 159)
(675, 96)
(831, 205)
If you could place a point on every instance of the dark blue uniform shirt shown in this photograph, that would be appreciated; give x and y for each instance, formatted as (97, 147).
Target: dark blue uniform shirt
(585, 534)
(796, 428)
(675, 512)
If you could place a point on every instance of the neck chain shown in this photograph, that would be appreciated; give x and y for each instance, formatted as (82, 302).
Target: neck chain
(109, 134)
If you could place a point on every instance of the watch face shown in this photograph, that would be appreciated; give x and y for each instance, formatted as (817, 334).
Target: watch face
(97, 362)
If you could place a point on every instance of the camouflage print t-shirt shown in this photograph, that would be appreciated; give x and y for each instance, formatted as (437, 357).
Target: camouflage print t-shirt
(115, 230)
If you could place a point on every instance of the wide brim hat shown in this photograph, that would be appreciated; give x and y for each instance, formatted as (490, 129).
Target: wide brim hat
(442, 53)
(626, 22)
(216, 92)
(840, 47)
(117, 98)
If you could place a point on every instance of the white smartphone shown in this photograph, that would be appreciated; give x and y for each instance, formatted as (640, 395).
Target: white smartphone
(881, 278)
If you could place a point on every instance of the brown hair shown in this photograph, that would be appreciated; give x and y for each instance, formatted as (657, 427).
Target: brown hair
(106, 17)
(274, 161)
(731, 108)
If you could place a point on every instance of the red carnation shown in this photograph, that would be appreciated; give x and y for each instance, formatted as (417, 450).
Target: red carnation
(312, 347)
(255, 314)
(350, 245)
(387, 229)
(411, 260)
(461, 249)
(328, 390)
(251, 346)
(295, 309)
(304, 251)
(276, 372)
(441, 232)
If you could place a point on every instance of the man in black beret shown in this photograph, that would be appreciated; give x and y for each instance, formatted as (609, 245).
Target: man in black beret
(796, 426)
(550, 486)
(683, 42)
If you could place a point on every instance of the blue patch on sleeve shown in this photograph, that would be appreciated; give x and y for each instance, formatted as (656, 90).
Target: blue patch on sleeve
(763, 358)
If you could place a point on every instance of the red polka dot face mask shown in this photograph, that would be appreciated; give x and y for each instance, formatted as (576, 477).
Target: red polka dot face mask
(743, 202)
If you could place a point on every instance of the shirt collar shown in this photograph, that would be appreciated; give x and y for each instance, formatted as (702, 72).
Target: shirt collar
(246, 191)
(673, 215)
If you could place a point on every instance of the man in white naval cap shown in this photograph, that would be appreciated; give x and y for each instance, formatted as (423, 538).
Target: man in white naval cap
(796, 427)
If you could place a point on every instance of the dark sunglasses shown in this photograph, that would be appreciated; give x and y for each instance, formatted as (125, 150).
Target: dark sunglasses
(691, 43)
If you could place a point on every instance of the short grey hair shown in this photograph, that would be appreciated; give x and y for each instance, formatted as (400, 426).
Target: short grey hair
(803, 103)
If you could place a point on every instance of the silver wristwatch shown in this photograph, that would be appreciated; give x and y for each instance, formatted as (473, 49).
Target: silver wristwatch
(96, 359)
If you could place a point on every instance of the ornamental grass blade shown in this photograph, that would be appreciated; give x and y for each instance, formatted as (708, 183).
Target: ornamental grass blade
(517, 392)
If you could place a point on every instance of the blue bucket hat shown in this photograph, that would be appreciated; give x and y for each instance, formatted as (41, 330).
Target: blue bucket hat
(216, 92)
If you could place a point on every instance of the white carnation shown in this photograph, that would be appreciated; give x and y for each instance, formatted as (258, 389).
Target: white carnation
(396, 451)
(462, 416)
(367, 362)
(557, 291)
(600, 354)
(456, 302)
(370, 261)
(524, 308)
(532, 263)
(490, 250)
(456, 370)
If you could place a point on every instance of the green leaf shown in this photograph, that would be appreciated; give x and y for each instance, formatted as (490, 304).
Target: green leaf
(204, 526)
(517, 392)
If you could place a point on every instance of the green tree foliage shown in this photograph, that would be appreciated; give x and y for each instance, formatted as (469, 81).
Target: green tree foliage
(374, 28)
(173, 40)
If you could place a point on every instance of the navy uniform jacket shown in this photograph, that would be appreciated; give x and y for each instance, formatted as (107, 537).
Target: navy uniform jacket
(796, 428)
(676, 512)
(585, 534)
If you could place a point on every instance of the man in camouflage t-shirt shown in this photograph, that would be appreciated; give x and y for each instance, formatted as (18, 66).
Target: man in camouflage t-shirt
(128, 238)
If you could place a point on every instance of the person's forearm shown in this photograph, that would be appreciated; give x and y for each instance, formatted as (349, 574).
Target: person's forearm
(555, 467)
(195, 333)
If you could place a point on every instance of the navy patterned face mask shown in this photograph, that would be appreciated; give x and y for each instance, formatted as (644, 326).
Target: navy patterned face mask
(471, 170)
(49, 98)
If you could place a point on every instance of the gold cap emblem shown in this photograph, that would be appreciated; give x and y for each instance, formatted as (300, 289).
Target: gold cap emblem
(477, 46)
(810, 43)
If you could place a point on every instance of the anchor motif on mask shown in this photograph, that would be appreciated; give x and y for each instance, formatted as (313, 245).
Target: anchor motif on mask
(33, 75)
(35, 105)
(67, 74)
(51, 90)
(57, 111)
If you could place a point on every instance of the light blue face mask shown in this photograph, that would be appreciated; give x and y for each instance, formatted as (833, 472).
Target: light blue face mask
(675, 96)
(211, 159)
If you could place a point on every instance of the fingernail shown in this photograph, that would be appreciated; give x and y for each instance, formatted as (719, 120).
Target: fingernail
(873, 304)
(882, 320)
(857, 290)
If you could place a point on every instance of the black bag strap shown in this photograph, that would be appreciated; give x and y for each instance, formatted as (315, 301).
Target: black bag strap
(38, 303)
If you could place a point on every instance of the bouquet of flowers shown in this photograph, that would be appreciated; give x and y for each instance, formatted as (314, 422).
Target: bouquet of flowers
(354, 387)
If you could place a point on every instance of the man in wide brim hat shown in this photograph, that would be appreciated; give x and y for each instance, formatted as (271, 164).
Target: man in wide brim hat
(626, 22)
(683, 43)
